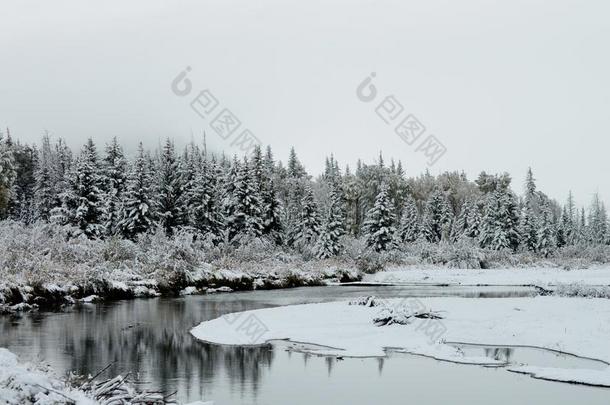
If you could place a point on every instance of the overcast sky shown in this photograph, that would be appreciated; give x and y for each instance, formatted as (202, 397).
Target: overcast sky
(503, 85)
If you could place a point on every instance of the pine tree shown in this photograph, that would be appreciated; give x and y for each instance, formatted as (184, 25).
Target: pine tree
(561, 235)
(272, 206)
(598, 222)
(409, 222)
(171, 206)
(437, 217)
(114, 169)
(569, 221)
(25, 158)
(243, 204)
(467, 223)
(44, 189)
(473, 220)
(546, 240)
(136, 210)
(500, 221)
(529, 228)
(308, 228)
(379, 226)
(205, 213)
(7, 176)
(329, 241)
(87, 191)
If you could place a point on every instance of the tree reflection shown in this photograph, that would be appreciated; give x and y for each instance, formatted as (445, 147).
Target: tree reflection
(148, 338)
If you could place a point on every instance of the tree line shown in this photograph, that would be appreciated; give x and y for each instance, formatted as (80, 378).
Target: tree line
(102, 194)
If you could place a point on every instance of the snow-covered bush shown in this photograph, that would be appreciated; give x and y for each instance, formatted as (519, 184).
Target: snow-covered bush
(581, 290)
(170, 260)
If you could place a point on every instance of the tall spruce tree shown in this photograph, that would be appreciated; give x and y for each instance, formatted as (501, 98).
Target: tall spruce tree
(205, 213)
(546, 239)
(329, 241)
(410, 226)
(45, 187)
(308, 227)
(137, 214)
(379, 226)
(171, 199)
(114, 169)
(437, 218)
(499, 228)
(87, 184)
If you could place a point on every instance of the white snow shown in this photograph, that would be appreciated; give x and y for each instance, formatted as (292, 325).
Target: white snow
(579, 326)
(509, 276)
(24, 384)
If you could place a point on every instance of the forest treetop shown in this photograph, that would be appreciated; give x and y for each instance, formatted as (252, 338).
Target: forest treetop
(104, 194)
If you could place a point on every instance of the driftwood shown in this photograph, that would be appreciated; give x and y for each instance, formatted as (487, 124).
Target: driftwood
(402, 316)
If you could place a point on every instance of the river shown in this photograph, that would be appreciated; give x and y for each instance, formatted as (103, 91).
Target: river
(150, 339)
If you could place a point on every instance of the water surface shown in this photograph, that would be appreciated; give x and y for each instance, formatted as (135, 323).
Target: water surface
(149, 337)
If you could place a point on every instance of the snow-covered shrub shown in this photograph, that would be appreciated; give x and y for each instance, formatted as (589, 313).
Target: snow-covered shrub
(368, 301)
(169, 260)
(581, 290)
(593, 254)
(464, 254)
(117, 250)
(352, 248)
(253, 249)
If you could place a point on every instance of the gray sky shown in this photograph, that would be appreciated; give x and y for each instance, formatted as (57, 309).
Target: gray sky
(503, 85)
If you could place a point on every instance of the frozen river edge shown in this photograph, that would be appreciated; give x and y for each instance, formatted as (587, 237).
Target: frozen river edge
(578, 326)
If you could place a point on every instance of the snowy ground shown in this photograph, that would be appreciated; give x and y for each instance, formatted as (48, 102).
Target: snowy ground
(574, 325)
(512, 276)
(25, 384)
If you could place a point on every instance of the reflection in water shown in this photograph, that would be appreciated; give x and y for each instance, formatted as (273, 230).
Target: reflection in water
(150, 339)
(147, 337)
(502, 354)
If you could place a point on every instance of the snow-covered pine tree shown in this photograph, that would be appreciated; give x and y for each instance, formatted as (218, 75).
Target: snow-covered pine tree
(546, 233)
(114, 169)
(25, 159)
(562, 229)
(62, 167)
(205, 213)
(272, 206)
(379, 226)
(292, 183)
(569, 220)
(329, 241)
(44, 189)
(467, 223)
(7, 175)
(410, 226)
(528, 227)
(598, 222)
(437, 218)
(190, 165)
(87, 184)
(473, 220)
(352, 195)
(308, 227)
(242, 205)
(171, 199)
(582, 226)
(500, 221)
(136, 209)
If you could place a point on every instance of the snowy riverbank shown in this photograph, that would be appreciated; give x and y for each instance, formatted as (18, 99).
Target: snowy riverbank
(573, 325)
(538, 276)
(205, 279)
